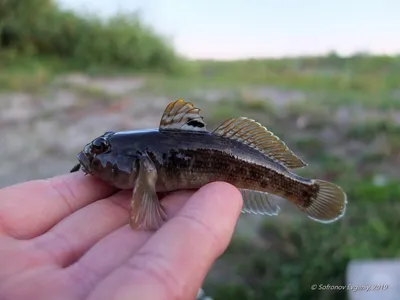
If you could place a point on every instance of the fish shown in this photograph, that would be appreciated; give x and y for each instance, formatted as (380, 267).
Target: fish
(182, 154)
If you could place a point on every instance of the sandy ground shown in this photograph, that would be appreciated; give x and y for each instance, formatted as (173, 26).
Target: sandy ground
(41, 134)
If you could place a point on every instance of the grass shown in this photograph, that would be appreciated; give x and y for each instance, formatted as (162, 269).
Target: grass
(288, 262)
(18, 73)
(359, 72)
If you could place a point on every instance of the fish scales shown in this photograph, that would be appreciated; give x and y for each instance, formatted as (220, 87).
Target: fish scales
(183, 154)
(190, 160)
(234, 163)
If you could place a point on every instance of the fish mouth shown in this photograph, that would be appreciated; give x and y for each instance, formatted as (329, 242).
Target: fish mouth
(75, 168)
(84, 163)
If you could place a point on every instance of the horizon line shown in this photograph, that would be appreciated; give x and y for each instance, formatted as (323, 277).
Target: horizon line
(395, 54)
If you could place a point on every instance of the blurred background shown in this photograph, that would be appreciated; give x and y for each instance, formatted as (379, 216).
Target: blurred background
(323, 76)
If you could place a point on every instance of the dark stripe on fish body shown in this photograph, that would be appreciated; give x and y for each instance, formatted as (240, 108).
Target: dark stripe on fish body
(190, 160)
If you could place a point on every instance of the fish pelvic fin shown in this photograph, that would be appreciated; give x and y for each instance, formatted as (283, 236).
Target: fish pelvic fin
(147, 212)
(328, 205)
(181, 115)
(259, 203)
(253, 134)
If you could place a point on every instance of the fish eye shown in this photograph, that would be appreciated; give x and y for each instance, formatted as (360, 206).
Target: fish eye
(99, 145)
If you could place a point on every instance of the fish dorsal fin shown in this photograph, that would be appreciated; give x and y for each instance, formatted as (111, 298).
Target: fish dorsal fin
(181, 115)
(253, 134)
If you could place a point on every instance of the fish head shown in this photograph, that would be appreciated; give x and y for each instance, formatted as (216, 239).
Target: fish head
(95, 155)
(105, 158)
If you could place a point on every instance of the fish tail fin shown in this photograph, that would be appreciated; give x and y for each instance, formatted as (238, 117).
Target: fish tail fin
(328, 205)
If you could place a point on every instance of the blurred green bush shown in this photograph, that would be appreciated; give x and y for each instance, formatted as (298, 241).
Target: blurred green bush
(40, 28)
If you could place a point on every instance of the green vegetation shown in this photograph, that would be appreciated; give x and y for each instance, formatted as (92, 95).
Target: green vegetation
(341, 115)
(359, 72)
(39, 37)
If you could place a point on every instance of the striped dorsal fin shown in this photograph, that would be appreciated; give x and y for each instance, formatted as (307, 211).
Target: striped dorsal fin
(181, 115)
(253, 134)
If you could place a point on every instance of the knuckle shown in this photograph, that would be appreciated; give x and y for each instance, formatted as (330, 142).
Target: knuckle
(153, 267)
(63, 191)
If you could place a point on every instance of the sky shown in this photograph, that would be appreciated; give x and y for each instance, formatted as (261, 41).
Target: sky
(232, 29)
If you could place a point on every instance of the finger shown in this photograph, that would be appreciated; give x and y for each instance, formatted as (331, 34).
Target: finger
(74, 235)
(175, 260)
(31, 208)
(112, 251)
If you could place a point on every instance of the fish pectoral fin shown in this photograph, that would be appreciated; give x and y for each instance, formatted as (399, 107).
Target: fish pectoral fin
(328, 205)
(253, 134)
(259, 203)
(147, 212)
(181, 115)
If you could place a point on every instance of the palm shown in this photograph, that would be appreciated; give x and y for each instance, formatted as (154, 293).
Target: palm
(59, 241)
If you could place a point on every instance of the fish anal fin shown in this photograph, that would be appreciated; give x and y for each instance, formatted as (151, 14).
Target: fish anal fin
(181, 115)
(147, 212)
(259, 203)
(253, 134)
(328, 205)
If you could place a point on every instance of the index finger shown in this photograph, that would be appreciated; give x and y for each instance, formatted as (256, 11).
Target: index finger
(175, 260)
(31, 208)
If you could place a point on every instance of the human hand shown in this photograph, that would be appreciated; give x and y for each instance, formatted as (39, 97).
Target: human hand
(68, 238)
